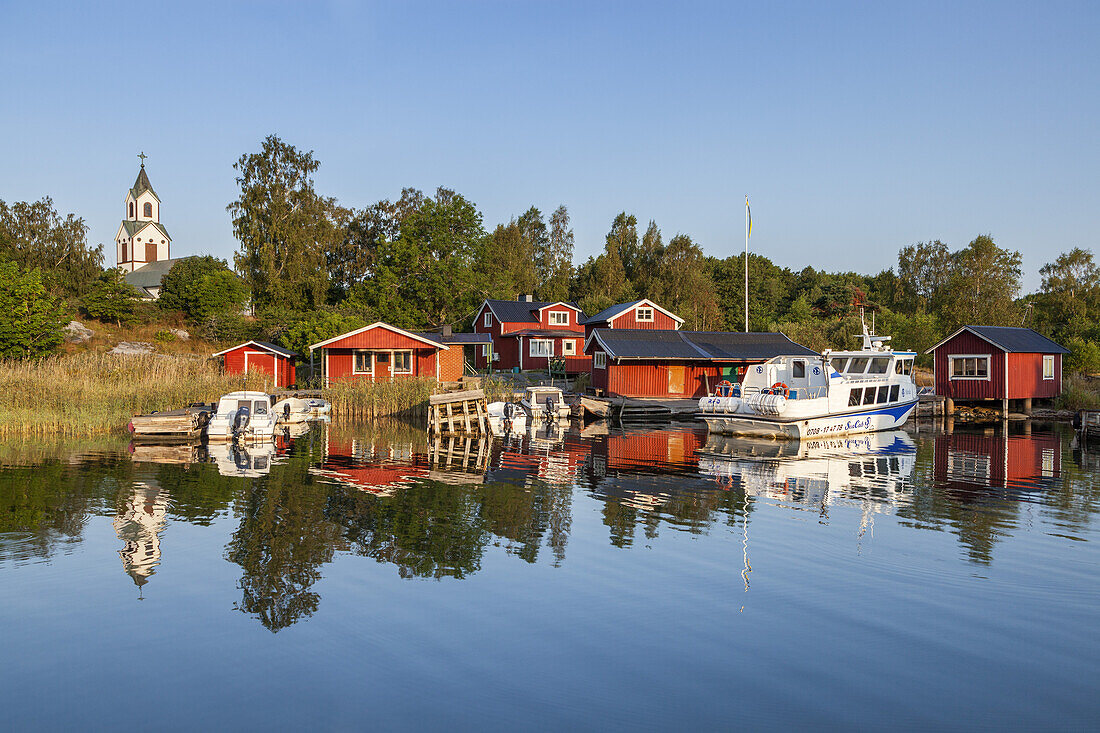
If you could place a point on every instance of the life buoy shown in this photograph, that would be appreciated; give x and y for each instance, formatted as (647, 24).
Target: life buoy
(781, 388)
(722, 389)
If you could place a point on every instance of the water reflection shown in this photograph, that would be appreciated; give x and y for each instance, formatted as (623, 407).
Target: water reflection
(434, 510)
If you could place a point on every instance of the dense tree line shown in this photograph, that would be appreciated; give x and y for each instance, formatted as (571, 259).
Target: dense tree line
(312, 268)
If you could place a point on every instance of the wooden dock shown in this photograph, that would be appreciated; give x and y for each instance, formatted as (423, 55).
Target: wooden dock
(184, 424)
(458, 413)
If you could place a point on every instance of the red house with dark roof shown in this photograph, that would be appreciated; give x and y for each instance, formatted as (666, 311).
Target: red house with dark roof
(642, 313)
(998, 363)
(381, 352)
(260, 356)
(678, 364)
(527, 334)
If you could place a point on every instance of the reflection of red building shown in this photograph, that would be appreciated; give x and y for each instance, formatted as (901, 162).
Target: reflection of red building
(997, 461)
(545, 453)
(379, 467)
(649, 452)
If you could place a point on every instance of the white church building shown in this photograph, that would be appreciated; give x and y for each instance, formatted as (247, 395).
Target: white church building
(143, 247)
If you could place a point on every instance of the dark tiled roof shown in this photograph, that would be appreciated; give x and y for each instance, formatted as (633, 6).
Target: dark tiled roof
(517, 311)
(1018, 340)
(547, 332)
(608, 313)
(150, 275)
(630, 343)
(458, 338)
(133, 227)
(142, 184)
(276, 349)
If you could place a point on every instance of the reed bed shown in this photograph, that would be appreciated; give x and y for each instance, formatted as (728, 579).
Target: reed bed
(90, 393)
(354, 401)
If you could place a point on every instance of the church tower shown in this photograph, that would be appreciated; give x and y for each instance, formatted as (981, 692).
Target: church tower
(141, 238)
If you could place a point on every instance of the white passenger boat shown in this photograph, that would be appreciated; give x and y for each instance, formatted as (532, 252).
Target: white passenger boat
(243, 415)
(836, 393)
(297, 409)
(545, 403)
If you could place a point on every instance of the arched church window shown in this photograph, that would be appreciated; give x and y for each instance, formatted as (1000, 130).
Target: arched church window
(148, 209)
(131, 209)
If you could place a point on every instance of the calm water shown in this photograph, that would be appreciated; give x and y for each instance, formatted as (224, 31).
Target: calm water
(363, 578)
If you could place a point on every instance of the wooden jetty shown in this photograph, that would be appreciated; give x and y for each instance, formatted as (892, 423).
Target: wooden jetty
(459, 459)
(1088, 424)
(184, 424)
(458, 413)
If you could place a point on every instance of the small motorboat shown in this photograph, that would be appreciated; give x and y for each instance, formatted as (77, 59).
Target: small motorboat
(506, 418)
(545, 403)
(243, 415)
(297, 409)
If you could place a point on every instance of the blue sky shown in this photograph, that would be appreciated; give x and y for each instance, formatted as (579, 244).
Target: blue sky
(854, 128)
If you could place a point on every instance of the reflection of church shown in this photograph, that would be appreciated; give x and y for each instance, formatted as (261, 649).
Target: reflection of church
(139, 526)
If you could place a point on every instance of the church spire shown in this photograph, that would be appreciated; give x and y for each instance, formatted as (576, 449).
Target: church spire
(142, 182)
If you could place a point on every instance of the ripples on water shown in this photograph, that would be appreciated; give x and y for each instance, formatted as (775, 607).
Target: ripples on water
(660, 578)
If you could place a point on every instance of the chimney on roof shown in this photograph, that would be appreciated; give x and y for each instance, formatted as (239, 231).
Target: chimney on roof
(526, 298)
(446, 330)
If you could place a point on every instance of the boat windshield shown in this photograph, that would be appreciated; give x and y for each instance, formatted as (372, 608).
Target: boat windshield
(879, 365)
(859, 365)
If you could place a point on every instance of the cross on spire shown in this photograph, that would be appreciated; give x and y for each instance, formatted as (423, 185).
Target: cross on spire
(143, 156)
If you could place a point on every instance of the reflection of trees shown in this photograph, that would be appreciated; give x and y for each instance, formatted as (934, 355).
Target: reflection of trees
(281, 542)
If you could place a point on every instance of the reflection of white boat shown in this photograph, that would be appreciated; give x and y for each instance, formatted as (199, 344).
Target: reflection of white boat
(297, 409)
(247, 460)
(870, 470)
(545, 403)
(506, 417)
(804, 396)
(242, 415)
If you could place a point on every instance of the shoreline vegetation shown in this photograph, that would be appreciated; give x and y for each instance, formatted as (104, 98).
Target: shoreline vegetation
(92, 394)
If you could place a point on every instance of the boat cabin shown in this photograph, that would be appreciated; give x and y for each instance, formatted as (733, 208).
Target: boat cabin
(870, 379)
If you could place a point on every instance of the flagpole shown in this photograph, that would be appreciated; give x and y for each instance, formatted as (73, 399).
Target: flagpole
(747, 263)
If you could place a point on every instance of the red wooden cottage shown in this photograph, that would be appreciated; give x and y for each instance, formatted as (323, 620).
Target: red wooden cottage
(260, 356)
(677, 364)
(1023, 462)
(997, 363)
(636, 314)
(527, 334)
(381, 352)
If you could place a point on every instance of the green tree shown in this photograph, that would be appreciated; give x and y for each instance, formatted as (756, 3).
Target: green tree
(983, 285)
(426, 277)
(34, 235)
(285, 228)
(316, 326)
(353, 259)
(924, 270)
(30, 318)
(507, 259)
(1068, 303)
(201, 287)
(557, 263)
(110, 298)
(684, 286)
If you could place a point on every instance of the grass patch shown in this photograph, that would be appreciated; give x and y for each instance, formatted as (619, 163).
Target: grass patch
(92, 393)
(1078, 393)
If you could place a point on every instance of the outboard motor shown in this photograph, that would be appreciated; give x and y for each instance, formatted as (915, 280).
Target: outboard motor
(240, 420)
(286, 410)
(551, 408)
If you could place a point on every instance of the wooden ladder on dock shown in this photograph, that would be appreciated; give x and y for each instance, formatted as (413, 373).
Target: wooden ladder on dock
(458, 413)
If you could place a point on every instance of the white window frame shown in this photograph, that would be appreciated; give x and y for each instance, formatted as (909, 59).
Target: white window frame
(640, 318)
(355, 359)
(562, 318)
(393, 362)
(1048, 359)
(599, 360)
(568, 347)
(487, 321)
(485, 350)
(951, 358)
(540, 353)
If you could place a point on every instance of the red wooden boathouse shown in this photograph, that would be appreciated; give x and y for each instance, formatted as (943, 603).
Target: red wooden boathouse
(678, 364)
(381, 352)
(260, 356)
(979, 363)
